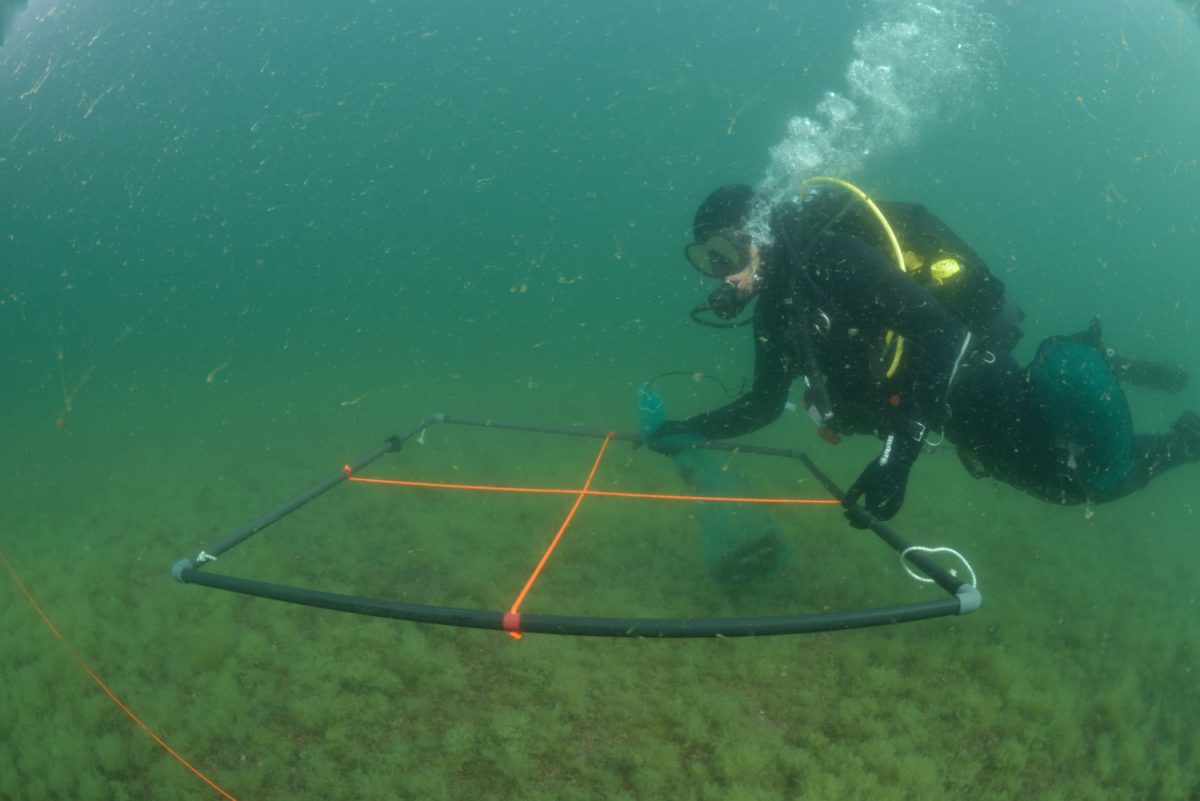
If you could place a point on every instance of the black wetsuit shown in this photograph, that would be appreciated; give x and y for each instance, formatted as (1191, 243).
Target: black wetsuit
(832, 285)
(848, 295)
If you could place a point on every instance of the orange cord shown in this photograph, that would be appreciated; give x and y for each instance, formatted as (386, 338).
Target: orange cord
(512, 620)
(601, 493)
(100, 683)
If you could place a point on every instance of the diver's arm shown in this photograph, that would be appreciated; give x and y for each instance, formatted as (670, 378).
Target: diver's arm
(865, 286)
(765, 400)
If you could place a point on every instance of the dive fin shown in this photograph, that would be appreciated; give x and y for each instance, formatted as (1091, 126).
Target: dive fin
(1187, 429)
(1127, 369)
(1162, 376)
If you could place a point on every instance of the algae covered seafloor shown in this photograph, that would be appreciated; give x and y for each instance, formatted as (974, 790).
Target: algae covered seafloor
(240, 245)
(1075, 680)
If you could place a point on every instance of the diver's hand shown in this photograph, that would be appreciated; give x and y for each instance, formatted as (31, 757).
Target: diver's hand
(672, 437)
(884, 480)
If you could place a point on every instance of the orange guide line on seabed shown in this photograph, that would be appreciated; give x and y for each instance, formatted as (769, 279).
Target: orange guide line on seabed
(104, 687)
(512, 619)
(601, 493)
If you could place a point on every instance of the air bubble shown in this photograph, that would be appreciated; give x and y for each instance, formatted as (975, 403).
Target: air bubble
(915, 64)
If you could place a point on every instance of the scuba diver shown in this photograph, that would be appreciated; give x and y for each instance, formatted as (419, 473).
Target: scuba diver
(911, 342)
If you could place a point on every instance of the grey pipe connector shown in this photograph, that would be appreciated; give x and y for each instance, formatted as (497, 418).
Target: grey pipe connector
(183, 564)
(969, 599)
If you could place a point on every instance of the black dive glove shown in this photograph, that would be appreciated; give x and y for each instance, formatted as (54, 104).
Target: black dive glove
(884, 480)
(672, 437)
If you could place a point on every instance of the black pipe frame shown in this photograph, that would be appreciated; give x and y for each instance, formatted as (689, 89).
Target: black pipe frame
(963, 598)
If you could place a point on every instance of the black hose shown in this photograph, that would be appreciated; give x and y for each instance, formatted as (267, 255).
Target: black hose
(582, 626)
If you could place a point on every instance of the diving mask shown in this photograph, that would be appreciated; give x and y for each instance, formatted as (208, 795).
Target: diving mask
(721, 255)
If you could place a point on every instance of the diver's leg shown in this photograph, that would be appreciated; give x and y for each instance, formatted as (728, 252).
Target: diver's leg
(1154, 454)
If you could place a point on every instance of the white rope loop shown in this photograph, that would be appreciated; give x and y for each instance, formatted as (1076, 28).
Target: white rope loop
(923, 549)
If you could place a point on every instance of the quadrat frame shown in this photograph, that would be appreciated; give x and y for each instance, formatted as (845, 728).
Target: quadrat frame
(962, 597)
